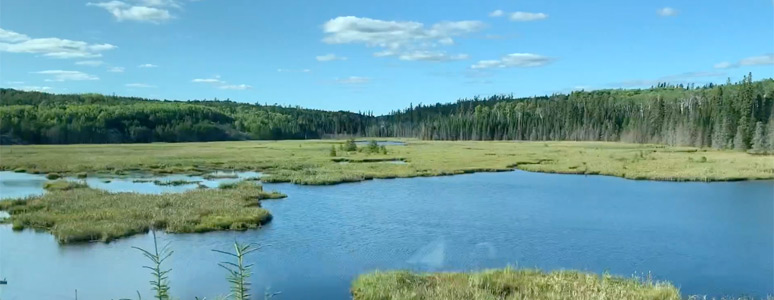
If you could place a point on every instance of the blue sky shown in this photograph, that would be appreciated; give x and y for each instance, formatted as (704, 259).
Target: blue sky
(376, 55)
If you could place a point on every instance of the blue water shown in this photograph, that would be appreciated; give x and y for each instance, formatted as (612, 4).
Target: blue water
(381, 143)
(707, 238)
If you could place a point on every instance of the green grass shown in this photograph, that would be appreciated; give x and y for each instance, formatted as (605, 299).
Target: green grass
(62, 185)
(309, 162)
(507, 284)
(174, 182)
(82, 214)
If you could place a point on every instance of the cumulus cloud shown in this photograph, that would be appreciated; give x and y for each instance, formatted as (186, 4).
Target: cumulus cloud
(90, 63)
(521, 16)
(353, 80)
(330, 57)
(395, 37)
(760, 60)
(116, 69)
(496, 13)
(139, 85)
(431, 56)
(667, 12)
(147, 66)
(514, 60)
(221, 84)
(152, 11)
(14, 42)
(61, 75)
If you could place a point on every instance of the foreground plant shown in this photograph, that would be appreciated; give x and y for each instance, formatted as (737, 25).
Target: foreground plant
(239, 273)
(160, 282)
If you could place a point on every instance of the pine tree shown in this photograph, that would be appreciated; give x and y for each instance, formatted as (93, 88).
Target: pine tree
(759, 139)
(739, 143)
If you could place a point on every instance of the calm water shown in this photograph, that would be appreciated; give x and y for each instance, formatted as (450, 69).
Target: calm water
(707, 238)
(381, 143)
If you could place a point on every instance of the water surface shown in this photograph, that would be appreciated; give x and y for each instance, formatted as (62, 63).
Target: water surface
(707, 238)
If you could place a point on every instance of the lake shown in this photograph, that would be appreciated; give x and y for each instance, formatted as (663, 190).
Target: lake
(707, 238)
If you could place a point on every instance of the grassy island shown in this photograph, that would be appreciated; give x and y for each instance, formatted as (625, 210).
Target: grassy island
(507, 284)
(311, 161)
(82, 214)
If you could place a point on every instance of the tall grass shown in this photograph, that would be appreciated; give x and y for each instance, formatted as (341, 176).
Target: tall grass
(507, 284)
(285, 161)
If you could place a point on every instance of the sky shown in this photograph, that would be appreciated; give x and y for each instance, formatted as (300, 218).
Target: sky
(378, 55)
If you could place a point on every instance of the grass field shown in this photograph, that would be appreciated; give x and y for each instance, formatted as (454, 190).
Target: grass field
(506, 284)
(310, 162)
(80, 214)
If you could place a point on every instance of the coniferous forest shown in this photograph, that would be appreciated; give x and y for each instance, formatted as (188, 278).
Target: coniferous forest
(730, 116)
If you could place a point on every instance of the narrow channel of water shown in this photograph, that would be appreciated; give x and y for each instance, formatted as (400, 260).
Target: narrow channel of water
(707, 238)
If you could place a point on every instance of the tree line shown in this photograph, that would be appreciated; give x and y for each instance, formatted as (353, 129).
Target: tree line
(729, 116)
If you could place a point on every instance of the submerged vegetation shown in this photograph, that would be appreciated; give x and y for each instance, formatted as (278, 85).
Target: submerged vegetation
(63, 185)
(309, 162)
(507, 284)
(82, 214)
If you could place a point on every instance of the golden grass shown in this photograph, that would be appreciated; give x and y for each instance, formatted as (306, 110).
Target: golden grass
(83, 214)
(309, 162)
(507, 284)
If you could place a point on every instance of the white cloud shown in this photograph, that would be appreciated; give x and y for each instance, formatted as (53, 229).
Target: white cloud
(330, 57)
(235, 87)
(90, 63)
(12, 37)
(208, 80)
(667, 12)
(32, 88)
(60, 75)
(139, 85)
(161, 3)
(767, 59)
(123, 11)
(514, 60)
(116, 69)
(496, 13)
(431, 56)
(353, 80)
(395, 37)
(221, 84)
(724, 65)
(760, 60)
(521, 16)
(49, 47)
(147, 66)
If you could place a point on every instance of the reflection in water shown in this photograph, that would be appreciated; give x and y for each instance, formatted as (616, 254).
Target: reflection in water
(20, 185)
(707, 238)
(381, 143)
(431, 256)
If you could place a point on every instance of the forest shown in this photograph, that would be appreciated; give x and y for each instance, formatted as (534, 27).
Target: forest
(736, 115)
